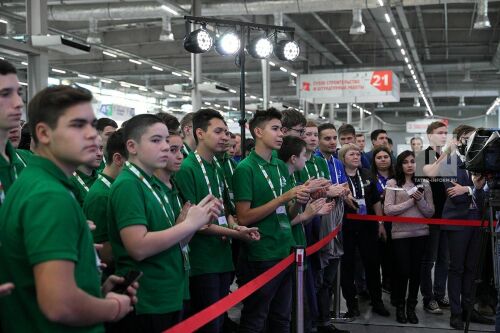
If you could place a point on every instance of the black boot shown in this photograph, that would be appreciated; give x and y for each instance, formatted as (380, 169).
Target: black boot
(400, 314)
(352, 309)
(411, 315)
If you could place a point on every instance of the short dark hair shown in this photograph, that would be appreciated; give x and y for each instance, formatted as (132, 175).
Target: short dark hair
(325, 126)
(7, 68)
(399, 175)
(416, 138)
(249, 144)
(435, 125)
(102, 123)
(262, 117)
(138, 125)
(202, 118)
(186, 121)
(358, 135)
(171, 122)
(25, 141)
(462, 130)
(389, 141)
(232, 135)
(374, 166)
(49, 104)
(292, 117)
(292, 145)
(374, 135)
(116, 144)
(346, 129)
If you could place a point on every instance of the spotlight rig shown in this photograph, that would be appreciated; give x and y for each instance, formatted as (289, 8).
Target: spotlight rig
(236, 40)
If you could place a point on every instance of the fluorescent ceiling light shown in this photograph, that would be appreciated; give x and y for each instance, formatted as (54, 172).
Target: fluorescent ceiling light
(253, 97)
(283, 69)
(387, 18)
(125, 84)
(109, 54)
(135, 61)
(412, 72)
(261, 99)
(23, 83)
(394, 32)
(24, 63)
(407, 60)
(58, 71)
(143, 89)
(381, 3)
(207, 103)
(176, 74)
(186, 98)
(272, 63)
(293, 74)
(106, 81)
(232, 91)
(170, 10)
(234, 109)
(157, 68)
(398, 41)
(186, 75)
(172, 95)
(227, 107)
(217, 105)
(403, 52)
(3, 21)
(84, 76)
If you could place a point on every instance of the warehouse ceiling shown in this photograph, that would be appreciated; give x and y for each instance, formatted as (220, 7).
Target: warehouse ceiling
(458, 64)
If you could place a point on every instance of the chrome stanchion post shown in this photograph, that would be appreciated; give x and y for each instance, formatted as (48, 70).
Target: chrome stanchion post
(300, 253)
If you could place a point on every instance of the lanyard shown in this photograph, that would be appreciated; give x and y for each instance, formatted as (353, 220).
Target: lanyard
(185, 150)
(230, 167)
(104, 180)
(360, 184)
(380, 182)
(20, 159)
(104, 159)
(315, 169)
(198, 158)
(80, 180)
(136, 172)
(271, 185)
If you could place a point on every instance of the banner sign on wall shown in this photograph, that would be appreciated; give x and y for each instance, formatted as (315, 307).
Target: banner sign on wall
(352, 87)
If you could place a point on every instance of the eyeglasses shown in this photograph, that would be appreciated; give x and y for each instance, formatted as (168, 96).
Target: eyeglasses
(300, 131)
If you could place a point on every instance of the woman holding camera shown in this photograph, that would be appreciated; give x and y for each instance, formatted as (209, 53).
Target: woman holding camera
(404, 198)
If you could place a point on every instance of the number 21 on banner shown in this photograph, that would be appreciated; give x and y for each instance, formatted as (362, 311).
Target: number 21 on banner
(382, 80)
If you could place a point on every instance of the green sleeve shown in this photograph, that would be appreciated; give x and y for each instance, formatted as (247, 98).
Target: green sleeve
(127, 201)
(184, 179)
(242, 184)
(95, 209)
(52, 228)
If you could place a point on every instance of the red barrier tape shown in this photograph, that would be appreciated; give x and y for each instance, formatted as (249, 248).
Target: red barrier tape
(418, 220)
(213, 311)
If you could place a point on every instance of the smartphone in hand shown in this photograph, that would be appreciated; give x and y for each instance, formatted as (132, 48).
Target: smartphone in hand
(131, 277)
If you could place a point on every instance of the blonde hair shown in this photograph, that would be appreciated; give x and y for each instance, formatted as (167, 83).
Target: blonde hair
(345, 148)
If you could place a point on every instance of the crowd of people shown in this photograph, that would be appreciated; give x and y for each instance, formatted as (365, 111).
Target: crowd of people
(83, 203)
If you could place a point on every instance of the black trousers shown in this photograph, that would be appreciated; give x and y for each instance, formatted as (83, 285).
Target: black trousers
(408, 254)
(464, 252)
(144, 323)
(364, 236)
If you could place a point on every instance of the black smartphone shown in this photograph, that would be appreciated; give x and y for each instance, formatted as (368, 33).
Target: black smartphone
(421, 189)
(131, 277)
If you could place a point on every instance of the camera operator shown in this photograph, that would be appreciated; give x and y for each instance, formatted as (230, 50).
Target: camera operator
(464, 200)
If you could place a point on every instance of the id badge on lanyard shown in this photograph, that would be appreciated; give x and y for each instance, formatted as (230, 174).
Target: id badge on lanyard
(283, 218)
(185, 257)
(362, 210)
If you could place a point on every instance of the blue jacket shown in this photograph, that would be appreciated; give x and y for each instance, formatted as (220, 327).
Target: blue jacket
(337, 172)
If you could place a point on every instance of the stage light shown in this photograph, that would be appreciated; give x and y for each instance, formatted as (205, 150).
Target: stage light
(287, 50)
(198, 41)
(260, 48)
(228, 44)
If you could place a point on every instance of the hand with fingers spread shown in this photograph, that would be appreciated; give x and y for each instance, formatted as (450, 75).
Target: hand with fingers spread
(312, 208)
(326, 208)
(457, 190)
(207, 210)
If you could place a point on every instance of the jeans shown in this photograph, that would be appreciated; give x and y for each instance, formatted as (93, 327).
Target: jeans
(207, 289)
(270, 307)
(407, 258)
(436, 253)
(326, 286)
(464, 253)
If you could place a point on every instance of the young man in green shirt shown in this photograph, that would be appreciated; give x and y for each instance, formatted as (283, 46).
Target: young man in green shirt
(47, 248)
(11, 109)
(142, 228)
(210, 249)
(95, 205)
(188, 134)
(105, 127)
(86, 174)
(265, 199)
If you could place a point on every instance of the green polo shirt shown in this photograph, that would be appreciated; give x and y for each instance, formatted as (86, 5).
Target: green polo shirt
(298, 232)
(228, 166)
(176, 204)
(41, 221)
(24, 156)
(131, 202)
(249, 184)
(315, 167)
(95, 208)
(9, 170)
(87, 180)
(208, 253)
(102, 165)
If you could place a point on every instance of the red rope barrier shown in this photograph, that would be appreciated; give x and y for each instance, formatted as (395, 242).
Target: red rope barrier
(418, 220)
